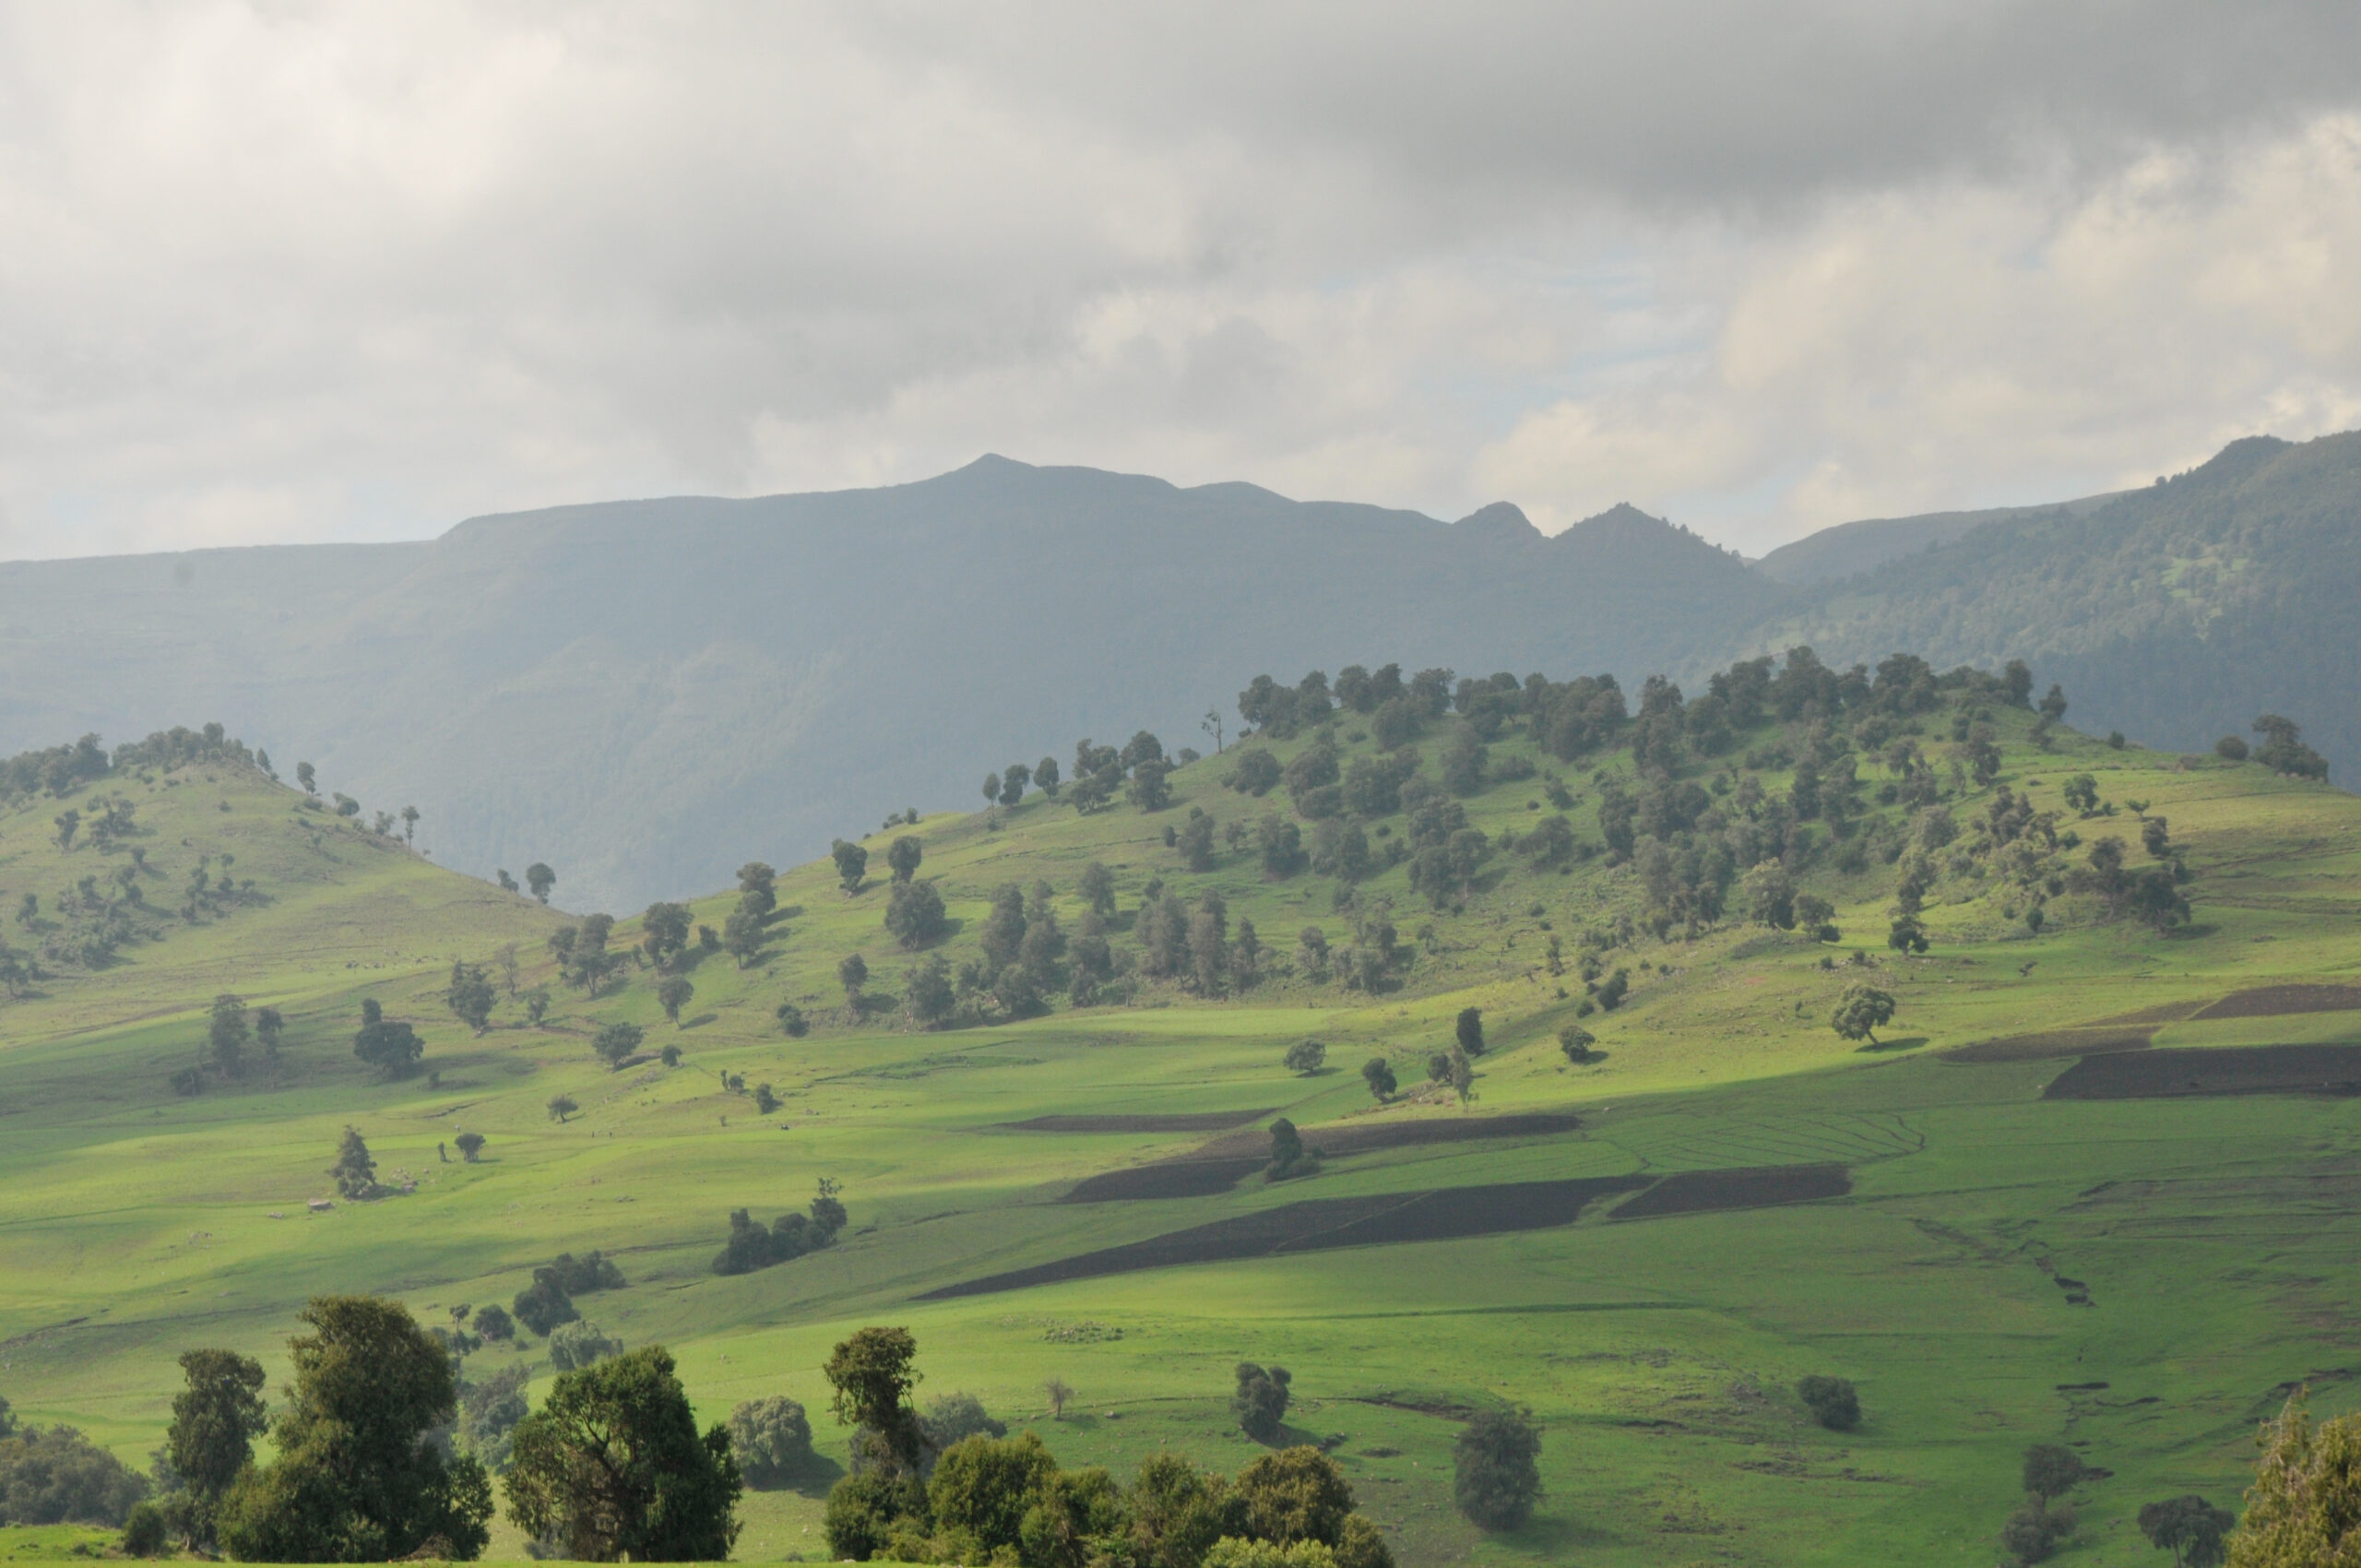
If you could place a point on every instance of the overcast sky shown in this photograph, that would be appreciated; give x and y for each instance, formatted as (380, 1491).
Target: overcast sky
(282, 271)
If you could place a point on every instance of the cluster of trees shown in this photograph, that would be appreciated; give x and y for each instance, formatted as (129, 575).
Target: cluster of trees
(752, 1245)
(548, 1302)
(990, 1498)
(52, 1474)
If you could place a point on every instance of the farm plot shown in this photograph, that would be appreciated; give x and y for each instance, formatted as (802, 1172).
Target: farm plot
(1707, 1191)
(2165, 1074)
(1321, 1223)
(2278, 1001)
(1222, 1164)
(2053, 1043)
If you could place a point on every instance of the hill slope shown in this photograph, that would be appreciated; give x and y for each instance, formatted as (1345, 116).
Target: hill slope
(639, 692)
(2062, 1192)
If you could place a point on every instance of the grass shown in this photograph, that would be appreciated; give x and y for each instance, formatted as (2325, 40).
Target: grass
(2211, 1240)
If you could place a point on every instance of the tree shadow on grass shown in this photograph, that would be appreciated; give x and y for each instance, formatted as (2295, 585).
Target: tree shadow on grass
(1900, 1042)
(701, 1020)
(813, 1479)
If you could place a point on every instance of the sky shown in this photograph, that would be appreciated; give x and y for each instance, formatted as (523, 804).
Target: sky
(284, 272)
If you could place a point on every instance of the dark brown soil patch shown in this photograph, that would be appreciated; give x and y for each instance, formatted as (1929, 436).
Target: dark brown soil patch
(2055, 1043)
(1166, 1178)
(1318, 1224)
(2275, 1001)
(1704, 1192)
(1189, 1122)
(2162, 1013)
(2166, 1075)
(1220, 1165)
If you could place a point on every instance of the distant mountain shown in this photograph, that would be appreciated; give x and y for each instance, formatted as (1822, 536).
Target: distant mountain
(1850, 548)
(2175, 613)
(646, 693)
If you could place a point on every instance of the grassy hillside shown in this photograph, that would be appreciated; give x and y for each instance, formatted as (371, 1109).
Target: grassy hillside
(2028, 1212)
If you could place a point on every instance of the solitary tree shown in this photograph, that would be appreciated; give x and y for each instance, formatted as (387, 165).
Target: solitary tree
(392, 1048)
(1495, 1474)
(2192, 1529)
(1576, 1042)
(471, 995)
(470, 1146)
(1096, 888)
(904, 855)
(1832, 1401)
(226, 1036)
(1469, 1030)
(1305, 1057)
(1259, 1401)
(1378, 1073)
(355, 1172)
(409, 823)
(541, 879)
(616, 1042)
(674, 994)
(1060, 1392)
(562, 1106)
(353, 1480)
(771, 1439)
(309, 780)
(852, 863)
(1861, 1012)
(2051, 1470)
(215, 1420)
(852, 973)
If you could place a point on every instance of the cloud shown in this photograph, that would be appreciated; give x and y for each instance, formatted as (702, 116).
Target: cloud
(280, 272)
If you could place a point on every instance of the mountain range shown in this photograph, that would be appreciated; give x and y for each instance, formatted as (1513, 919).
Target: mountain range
(642, 693)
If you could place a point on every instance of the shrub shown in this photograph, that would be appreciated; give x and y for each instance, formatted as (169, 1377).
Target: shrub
(2034, 1531)
(1576, 1042)
(772, 1439)
(143, 1531)
(1234, 1552)
(493, 1323)
(1296, 1494)
(580, 1344)
(2051, 1470)
(1495, 1476)
(1832, 1401)
(864, 1509)
(470, 1145)
(543, 1305)
(2230, 748)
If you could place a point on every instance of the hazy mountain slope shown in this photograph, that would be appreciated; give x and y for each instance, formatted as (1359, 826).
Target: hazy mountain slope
(644, 693)
(1848, 549)
(2175, 613)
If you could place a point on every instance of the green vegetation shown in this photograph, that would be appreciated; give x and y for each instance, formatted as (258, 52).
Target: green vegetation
(1974, 1246)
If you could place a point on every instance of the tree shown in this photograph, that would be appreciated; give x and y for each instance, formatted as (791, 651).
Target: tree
(562, 1106)
(1095, 887)
(1196, 841)
(675, 994)
(852, 973)
(53, 1475)
(580, 1344)
(2032, 1530)
(1769, 895)
(1013, 783)
(771, 1440)
(767, 1100)
(2051, 1470)
(226, 1036)
(992, 790)
(215, 1419)
(355, 1172)
(308, 779)
(904, 855)
(471, 995)
(982, 1489)
(353, 1482)
(1861, 1012)
(409, 823)
(1495, 1475)
(2305, 1505)
(915, 915)
(2229, 748)
(1297, 1494)
(611, 1466)
(791, 1020)
(2282, 749)
(852, 863)
(872, 1376)
(1576, 1042)
(929, 993)
(1150, 789)
(539, 879)
(1832, 1401)
(1469, 1030)
(741, 935)
(544, 1306)
(1289, 1156)
(67, 823)
(1462, 1075)
(2192, 1529)
(1259, 1401)
(664, 932)
(470, 1146)
(1305, 1056)
(757, 889)
(392, 1049)
(616, 1042)
(1378, 1073)
(1045, 777)
(269, 1024)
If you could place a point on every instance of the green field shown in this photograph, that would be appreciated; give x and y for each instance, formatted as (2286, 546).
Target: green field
(2144, 1278)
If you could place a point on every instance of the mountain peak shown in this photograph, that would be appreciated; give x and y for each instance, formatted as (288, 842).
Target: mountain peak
(1502, 519)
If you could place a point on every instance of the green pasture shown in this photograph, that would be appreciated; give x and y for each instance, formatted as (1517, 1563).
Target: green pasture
(2212, 1241)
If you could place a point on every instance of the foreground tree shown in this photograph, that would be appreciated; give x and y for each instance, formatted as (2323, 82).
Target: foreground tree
(2304, 1506)
(215, 1421)
(611, 1466)
(354, 1482)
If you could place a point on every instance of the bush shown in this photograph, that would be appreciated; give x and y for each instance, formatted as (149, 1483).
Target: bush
(2051, 1470)
(55, 1475)
(1234, 1552)
(2230, 748)
(2032, 1532)
(1296, 1494)
(752, 1245)
(143, 1531)
(1495, 1476)
(1832, 1401)
(864, 1508)
(772, 1439)
(579, 1344)
(1576, 1042)
(493, 1323)
(1260, 1400)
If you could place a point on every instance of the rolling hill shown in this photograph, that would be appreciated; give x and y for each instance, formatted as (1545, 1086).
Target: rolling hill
(2087, 1186)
